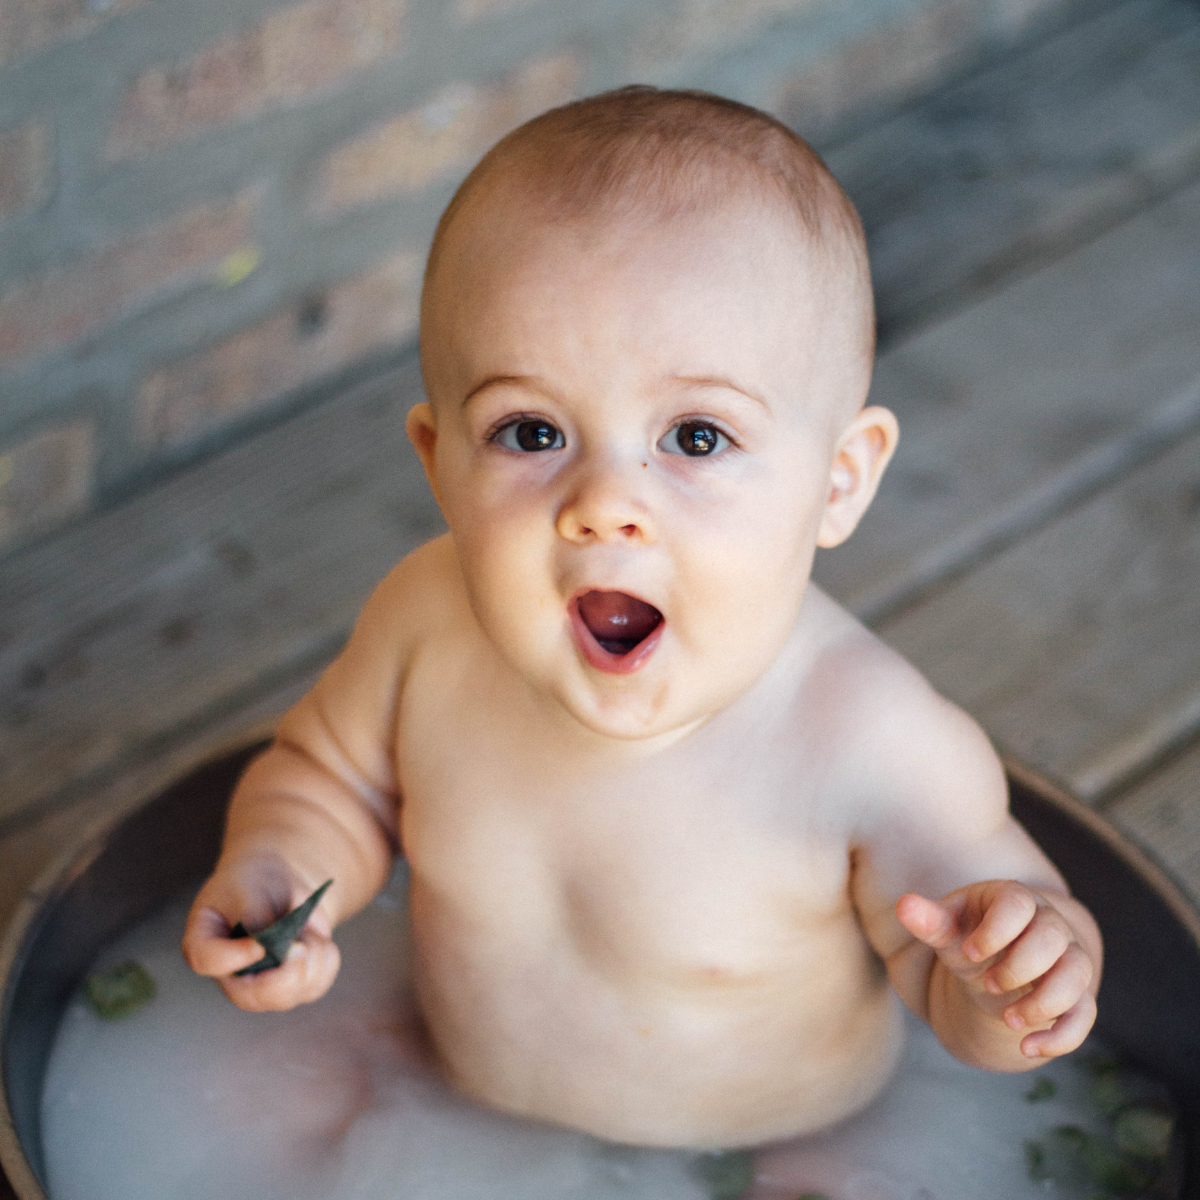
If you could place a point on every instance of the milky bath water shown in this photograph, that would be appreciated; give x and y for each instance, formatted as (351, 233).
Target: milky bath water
(188, 1098)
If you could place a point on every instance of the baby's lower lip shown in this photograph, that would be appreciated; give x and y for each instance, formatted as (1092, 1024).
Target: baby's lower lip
(595, 613)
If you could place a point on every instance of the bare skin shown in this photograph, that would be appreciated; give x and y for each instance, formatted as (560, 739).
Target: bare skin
(666, 895)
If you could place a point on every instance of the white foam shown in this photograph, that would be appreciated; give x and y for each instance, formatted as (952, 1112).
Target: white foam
(192, 1099)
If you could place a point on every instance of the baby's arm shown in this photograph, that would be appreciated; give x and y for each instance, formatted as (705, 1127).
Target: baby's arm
(319, 804)
(978, 932)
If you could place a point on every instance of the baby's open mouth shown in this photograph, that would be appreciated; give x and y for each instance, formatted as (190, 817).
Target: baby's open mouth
(619, 624)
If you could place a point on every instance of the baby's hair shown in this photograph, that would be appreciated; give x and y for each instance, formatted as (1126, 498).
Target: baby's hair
(641, 152)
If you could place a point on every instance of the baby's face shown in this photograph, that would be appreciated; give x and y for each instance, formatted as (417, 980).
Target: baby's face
(631, 435)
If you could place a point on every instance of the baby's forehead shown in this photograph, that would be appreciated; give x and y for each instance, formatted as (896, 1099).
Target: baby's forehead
(634, 303)
(516, 225)
(516, 228)
(540, 186)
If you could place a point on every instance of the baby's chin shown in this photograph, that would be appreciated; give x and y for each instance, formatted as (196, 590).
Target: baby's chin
(662, 699)
(630, 711)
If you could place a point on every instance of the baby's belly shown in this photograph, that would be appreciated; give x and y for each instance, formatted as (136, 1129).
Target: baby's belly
(684, 1050)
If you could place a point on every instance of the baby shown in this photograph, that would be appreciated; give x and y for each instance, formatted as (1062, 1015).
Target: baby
(679, 828)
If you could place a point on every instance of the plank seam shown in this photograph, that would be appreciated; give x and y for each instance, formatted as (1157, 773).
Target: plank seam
(1096, 211)
(143, 752)
(1139, 755)
(1089, 474)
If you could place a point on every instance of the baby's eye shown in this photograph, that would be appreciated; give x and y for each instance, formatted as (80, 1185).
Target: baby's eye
(530, 435)
(693, 438)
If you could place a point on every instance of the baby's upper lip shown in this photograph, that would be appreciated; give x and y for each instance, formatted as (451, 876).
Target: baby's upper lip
(612, 587)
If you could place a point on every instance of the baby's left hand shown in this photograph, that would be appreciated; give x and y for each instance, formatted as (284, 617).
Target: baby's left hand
(999, 937)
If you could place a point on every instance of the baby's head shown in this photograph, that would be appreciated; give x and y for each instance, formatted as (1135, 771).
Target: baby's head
(647, 336)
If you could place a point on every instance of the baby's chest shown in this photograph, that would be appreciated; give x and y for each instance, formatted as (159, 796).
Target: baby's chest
(690, 878)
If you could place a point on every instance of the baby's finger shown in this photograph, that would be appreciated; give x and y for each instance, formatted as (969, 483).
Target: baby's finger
(1035, 952)
(307, 974)
(208, 948)
(1058, 991)
(1066, 1034)
(927, 920)
(1010, 908)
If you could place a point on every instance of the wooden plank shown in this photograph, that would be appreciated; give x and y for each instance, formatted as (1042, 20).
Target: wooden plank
(1077, 648)
(1019, 407)
(154, 620)
(1017, 164)
(59, 831)
(1162, 814)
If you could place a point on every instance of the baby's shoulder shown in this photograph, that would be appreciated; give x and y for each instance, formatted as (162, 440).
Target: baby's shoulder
(412, 604)
(347, 719)
(420, 596)
(898, 744)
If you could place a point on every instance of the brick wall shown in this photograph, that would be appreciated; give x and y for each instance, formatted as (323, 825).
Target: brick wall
(213, 211)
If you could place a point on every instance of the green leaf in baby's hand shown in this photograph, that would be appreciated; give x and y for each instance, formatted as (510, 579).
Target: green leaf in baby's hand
(1043, 1089)
(727, 1174)
(115, 994)
(277, 939)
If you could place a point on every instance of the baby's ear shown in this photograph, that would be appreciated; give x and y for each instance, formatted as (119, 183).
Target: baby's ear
(863, 451)
(422, 432)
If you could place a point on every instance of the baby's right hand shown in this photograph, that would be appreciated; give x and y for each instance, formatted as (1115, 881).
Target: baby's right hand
(258, 892)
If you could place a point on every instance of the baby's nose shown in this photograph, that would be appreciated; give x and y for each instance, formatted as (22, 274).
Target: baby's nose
(604, 507)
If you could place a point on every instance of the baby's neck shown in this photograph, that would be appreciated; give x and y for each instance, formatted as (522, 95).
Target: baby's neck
(577, 740)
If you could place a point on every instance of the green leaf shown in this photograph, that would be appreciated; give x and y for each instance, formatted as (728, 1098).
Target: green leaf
(1107, 1092)
(1035, 1161)
(1097, 1062)
(1086, 1157)
(277, 939)
(727, 1174)
(813, 1196)
(1144, 1131)
(117, 993)
(1043, 1089)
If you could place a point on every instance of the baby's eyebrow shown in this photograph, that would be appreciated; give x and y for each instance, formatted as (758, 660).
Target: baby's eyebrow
(532, 382)
(719, 381)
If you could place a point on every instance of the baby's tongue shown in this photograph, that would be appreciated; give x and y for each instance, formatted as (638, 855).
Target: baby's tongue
(617, 621)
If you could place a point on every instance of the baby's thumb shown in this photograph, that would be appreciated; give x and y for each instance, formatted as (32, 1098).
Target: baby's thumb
(927, 920)
(306, 975)
(208, 948)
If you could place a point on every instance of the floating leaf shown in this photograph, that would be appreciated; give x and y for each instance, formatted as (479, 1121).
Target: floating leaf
(1107, 1091)
(1043, 1089)
(1035, 1161)
(1144, 1131)
(1097, 1062)
(277, 939)
(727, 1174)
(115, 994)
(1082, 1157)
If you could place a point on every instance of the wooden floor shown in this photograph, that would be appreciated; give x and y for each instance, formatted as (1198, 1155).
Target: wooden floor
(1035, 548)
